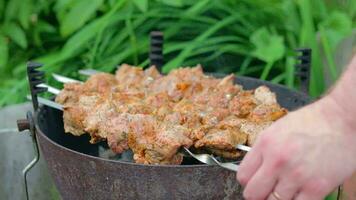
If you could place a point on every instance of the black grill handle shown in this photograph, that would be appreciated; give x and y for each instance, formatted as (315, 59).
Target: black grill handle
(156, 49)
(303, 67)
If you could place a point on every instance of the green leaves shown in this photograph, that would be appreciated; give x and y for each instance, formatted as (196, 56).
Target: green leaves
(337, 25)
(332, 30)
(268, 47)
(4, 51)
(141, 4)
(20, 10)
(78, 14)
(174, 3)
(16, 34)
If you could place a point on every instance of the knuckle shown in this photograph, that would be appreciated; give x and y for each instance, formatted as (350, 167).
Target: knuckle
(281, 159)
(242, 178)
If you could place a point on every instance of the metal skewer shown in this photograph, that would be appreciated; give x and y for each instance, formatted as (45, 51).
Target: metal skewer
(243, 147)
(211, 160)
(50, 89)
(46, 102)
(88, 72)
(64, 79)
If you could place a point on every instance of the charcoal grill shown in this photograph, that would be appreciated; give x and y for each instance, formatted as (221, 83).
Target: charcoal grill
(79, 173)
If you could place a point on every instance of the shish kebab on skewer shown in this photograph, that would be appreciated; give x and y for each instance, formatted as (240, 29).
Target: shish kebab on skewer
(155, 115)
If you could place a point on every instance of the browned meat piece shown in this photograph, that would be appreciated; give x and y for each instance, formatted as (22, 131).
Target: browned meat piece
(265, 113)
(156, 143)
(242, 104)
(117, 129)
(73, 120)
(161, 104)
(128, 75)
(100, 83)
(96, 120)
(135, 78)
(180, 83)
(253, 129)
(229, 154)
(218, 95)
(263, 95)
(80, 101)
(231, 121)
(223, 140)
(152, 73)
(129, 103)
(189, 115)
(74, 115)
(69, 94)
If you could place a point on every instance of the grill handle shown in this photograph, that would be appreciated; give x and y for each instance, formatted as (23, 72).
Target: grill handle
(29, 124)
(35, 78)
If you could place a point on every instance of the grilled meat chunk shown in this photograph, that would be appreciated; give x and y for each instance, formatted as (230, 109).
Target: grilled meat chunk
(222, 138)
(80, 101)
(154, 142)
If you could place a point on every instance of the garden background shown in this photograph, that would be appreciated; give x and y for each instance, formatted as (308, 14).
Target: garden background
(250, 38)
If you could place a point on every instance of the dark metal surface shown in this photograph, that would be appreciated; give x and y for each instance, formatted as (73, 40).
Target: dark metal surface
(80, 174)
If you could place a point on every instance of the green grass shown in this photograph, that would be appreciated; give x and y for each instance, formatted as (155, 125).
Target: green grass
(250, 38)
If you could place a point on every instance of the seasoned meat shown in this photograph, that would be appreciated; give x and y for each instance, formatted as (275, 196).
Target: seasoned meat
(81, 100)
(100, 83)
(134, 78)
(153, 142)
(180, 83)
(69, 94)
(265, 113)
(264, 95)
(117, 129)
(156, 115)
(242, 104)
(222, 139)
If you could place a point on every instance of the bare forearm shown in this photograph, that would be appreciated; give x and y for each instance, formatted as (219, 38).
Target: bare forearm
(341, 100)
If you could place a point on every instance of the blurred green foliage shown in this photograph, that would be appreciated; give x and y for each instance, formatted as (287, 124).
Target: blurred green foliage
(252, 38)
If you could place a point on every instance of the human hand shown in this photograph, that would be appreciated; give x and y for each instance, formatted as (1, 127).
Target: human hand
(304, 155)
